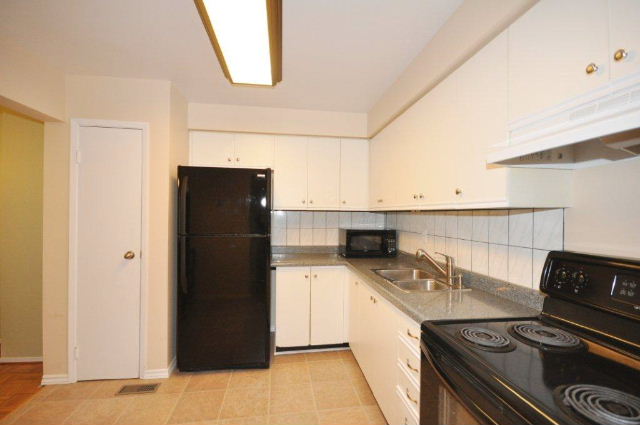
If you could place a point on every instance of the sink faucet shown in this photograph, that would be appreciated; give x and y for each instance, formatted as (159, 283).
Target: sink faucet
(448, 272)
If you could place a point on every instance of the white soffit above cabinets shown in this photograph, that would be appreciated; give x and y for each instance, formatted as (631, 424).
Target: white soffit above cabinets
(338, 55)
(598, 127)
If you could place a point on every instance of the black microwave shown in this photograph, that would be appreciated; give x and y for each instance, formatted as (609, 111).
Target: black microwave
(368, 243)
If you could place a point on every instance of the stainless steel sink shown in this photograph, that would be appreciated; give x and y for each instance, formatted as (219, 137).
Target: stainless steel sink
(414, 280)
(420, 285)
(395, 275)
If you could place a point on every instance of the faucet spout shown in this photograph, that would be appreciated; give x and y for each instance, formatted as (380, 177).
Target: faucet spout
(448, 272)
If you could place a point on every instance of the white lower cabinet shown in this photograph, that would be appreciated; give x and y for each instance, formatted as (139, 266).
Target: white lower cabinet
(374, 336)
(309, 306)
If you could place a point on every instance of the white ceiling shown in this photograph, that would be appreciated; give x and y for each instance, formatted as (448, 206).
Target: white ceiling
(339, 55)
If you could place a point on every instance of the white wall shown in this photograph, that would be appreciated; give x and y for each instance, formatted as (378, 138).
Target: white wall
(605, 218)
(473, 25)
(30, 86)
(255, 119)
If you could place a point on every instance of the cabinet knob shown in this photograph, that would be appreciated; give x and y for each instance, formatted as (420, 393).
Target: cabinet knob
(619, 55)
(421, 196)
(375, 301)
(237, 159)
(304, 202)
(458, 191)
(306, 276)
(356, 283)
(315, 276)
(379, 201)
(311, 201)
(228, 159)
(344, 202)
(591, 68)
(415, 196)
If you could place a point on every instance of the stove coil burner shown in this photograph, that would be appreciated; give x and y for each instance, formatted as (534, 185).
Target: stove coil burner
(546, 337)
(486, 339)
(602, 405)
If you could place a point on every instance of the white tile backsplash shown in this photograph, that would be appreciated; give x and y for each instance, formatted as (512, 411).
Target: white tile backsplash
(319, 237)
(306, 220)
(293, 237)
(345, 219)
(333, 219)
(499, 227)
(293, 219)
(520, 266)
(319, 220)
(506, 244)
(548, 225)
(521, 228)
(499, 261)
(306, 237)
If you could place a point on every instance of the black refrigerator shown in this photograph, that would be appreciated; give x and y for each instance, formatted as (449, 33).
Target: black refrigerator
(224, 254)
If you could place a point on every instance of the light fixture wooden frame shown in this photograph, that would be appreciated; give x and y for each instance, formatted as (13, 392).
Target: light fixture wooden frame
(274, 17)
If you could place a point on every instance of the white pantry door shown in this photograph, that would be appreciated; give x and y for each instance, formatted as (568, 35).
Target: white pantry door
(109, 212)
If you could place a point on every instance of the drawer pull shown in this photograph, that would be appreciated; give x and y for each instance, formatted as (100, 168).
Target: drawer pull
(406, 421)
(414, 401)
(411, 367)
(410, 335)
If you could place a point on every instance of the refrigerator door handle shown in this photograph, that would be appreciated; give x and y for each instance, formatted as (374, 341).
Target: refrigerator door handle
(182, 204)
(184, 274)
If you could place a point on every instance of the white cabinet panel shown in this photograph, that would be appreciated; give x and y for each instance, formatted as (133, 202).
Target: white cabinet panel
(550, 47)
(624, 33)
(327, 305)
(384, 171)
(290, 176)
(323, 172)
(254, 150)
(293, 290)
(211, 149)
(352, 317)
(354, 174)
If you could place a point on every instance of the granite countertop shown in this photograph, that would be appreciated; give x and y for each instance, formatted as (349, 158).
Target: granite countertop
(487, 298)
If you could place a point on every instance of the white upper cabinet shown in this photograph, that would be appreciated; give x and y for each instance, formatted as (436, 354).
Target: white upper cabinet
(216, 149)
(254, 150)
(624, 37)
(550, 50)
(354, 174)
(211, 149)
(323, 172)
(290, 176)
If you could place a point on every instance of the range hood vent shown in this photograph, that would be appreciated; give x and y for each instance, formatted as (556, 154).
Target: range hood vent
(598, 127)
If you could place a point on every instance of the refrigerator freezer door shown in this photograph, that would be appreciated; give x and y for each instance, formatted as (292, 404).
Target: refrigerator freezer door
(216, 201)
(223, 302)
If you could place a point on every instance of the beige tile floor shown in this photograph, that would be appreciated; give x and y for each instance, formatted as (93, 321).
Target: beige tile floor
(324, 388)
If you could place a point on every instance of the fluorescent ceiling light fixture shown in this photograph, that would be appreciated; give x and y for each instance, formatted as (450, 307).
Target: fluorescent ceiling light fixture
(247, 38)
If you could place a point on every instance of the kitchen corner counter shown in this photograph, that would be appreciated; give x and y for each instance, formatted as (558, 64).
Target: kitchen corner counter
(420, 306)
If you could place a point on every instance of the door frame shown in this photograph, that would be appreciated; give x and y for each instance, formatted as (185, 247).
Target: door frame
(72, 336)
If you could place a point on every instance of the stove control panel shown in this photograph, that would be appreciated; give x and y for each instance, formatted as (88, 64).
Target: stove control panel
(612, 284)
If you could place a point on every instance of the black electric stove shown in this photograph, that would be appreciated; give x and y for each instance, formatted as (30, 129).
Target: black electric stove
(576, 363)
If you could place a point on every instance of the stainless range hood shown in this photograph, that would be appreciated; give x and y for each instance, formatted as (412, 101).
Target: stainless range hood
(598, 127)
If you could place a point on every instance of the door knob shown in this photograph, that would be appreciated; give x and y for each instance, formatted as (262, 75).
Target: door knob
(591, 68)
(619, 55)
(129, 255)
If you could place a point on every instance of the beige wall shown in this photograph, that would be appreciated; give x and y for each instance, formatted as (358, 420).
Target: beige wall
(122, 100)
(473, 25)
(21, 152)
(256, 119)
(605, 217)
(30, 86)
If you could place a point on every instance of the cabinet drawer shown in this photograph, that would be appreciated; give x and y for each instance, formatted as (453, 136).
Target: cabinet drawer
(409, 331)
(409, 359)
(409, 390)
(406, 414)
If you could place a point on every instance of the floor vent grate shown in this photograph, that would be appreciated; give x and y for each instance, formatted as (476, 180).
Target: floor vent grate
(138, 389)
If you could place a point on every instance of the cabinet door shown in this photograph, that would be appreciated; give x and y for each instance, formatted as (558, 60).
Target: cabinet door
(254, 150)
(211, 149)
(550, 47)
(290, 176)
(354, 174)
(383, 170)
(293, 291)
(327, 305)
(624, 33)
(482, 101)
(323, 161)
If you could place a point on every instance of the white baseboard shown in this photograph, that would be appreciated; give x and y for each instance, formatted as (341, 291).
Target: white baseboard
(315, 350)
(20, 359)
(55, 379)
(159, 373)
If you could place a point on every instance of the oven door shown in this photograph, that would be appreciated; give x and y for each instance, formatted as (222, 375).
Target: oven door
(450, 395)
